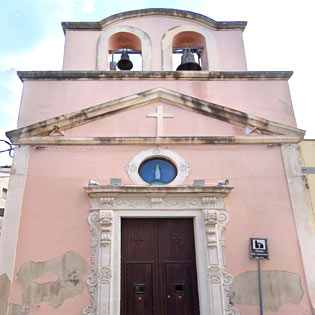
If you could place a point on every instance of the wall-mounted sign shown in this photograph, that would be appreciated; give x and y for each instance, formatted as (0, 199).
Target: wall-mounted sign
(258, 248)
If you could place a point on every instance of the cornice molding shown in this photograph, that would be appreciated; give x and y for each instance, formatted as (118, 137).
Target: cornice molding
(154, 75)
(92, 141)
(196, 17)
(95, 191)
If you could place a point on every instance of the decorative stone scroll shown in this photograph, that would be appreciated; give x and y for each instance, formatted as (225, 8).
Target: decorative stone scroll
(106, 220)
(91, 280)
(219, 280)
(214, 274)
(101, 228)
(205, 203)
(104, 275)
(148, 203)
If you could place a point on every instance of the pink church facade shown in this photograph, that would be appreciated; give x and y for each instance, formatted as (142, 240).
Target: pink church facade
(88, 218)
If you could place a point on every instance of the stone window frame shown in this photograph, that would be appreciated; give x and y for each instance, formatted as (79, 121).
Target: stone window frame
(102, 47)
(132, 168)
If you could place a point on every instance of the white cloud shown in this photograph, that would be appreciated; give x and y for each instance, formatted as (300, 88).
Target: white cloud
(11, 109)
(87, 6)
(48, 55)
(10, 90)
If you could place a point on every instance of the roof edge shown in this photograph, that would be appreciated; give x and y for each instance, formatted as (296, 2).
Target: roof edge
(155, 75)
(221, 25)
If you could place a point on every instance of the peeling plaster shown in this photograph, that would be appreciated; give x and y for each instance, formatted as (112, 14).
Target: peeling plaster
(5, 284)
(16, 309)
(68, 269)
(278, 287)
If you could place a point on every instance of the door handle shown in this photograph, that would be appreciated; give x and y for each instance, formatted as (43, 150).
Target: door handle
(168, 296)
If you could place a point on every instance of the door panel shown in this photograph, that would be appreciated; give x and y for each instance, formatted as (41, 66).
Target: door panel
(158, 267)
(176, 239)
(139, 239)
(138, 249)
(179, 289)
(139, 291)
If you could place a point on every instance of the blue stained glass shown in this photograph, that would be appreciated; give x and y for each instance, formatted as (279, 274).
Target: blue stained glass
(157, 171)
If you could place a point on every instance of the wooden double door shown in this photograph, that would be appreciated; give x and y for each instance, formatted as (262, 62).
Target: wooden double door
(158, 267)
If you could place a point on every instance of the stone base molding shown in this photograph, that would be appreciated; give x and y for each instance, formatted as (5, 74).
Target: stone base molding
(206, 205)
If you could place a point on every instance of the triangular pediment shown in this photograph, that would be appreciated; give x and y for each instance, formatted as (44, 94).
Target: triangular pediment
(156, 119)
(56, 126)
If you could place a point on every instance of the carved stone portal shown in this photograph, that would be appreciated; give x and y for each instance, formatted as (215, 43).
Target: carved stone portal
(205, 204)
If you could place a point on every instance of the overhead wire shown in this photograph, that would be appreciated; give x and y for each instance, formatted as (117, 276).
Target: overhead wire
(10, 150)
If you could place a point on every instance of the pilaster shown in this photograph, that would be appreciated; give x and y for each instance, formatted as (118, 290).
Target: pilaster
(302, 215)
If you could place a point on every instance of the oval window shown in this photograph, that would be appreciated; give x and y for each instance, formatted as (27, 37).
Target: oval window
(157, 171)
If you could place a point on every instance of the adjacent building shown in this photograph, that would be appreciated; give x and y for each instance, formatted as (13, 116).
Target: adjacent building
(307, 161)
(4, 180)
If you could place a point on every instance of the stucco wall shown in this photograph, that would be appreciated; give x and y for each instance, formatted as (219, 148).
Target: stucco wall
(55, 211)
(269, 99)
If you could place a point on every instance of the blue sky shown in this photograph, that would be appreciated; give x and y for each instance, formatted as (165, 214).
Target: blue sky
(279, 36)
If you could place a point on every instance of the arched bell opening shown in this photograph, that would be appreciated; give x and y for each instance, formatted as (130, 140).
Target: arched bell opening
(124, 52)
(189, 52)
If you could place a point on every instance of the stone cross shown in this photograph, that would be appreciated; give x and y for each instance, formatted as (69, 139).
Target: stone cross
(159, 115)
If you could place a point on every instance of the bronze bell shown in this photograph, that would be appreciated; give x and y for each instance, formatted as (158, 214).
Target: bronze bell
(188, 62)
(124, 63)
